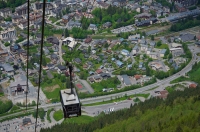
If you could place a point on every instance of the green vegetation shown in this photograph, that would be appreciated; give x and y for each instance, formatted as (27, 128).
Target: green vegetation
(51, 87)
(117, 16)
(7, 44)
(17, 116)
(179, 112)
(162, 46)
(166, 3)
(53, 19)
(117, 99)
(193, 75)
(185, 24)
(20, 39)
(33, 103)
(48, 114)
(179, 79)
(14, 108)
(83, 119)
(58, 115)
(41, 113)
(109, 83)
(11, 3)
(5, 106)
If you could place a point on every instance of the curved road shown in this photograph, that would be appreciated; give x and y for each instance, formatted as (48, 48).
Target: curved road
(130, 92)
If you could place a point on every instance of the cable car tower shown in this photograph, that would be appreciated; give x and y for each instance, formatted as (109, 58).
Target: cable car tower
(69, 98)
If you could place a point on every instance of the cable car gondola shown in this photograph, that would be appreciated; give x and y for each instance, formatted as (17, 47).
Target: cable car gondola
(69, 99)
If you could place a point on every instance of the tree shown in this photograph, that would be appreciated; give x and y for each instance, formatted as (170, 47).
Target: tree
(159, 43)
(44, 63)
(66, 33)
(152, 37)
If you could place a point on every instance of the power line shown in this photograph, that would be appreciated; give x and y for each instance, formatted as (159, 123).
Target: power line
(41, 51)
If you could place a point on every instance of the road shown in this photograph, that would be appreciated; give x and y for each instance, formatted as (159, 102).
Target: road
(60, 52)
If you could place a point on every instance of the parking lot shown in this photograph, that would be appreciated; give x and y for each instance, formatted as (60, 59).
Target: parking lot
(128, 28)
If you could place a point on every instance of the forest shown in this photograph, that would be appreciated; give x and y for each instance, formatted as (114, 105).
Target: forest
(11, 3)
(179, 112)
(117, 16)
(185, 24)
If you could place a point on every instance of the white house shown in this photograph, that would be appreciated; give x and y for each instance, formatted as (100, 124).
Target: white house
(144, 47)
(153, 55)
(135, 50)
(125, 52)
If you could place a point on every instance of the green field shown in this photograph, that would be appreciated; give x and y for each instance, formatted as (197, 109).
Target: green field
(53, 19)
(163, 46)
(109, 83)
(80, 120)
(48, 114)
(58, 115)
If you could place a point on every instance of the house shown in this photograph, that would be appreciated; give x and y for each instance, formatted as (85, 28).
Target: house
(149, 50)
(152, 44)
(144, 47)
(16, 19)
(135, 50)
(153, 55)
(119, 63)
(61, 69)
(77, 60)
(143, 42)
(54, 58)
(50, 66)
(91, 79)
(14, 48)
(125, 79)
(91, 73)
(163, 94)
(140, 65)
(26, 43)
(72, 24)
(162, 52)
(192, 85)
(156, 66)
(125, 52)
(70, 42)
(46, 50)
(8, 33)
(107, 25)
(176, 45)
(186, 37)
(137, 77)
(5, 12)
(105, 75)
(37, 41)
(53, 40)
(99, 71)
(65, 19)
(97, 78)
(7, 68)
(92, 27)
(55, 49)
(88, 39)
(180, 7)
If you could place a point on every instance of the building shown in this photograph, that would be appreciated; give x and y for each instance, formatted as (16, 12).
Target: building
(162, 52)
(7, 68)
(92, 27)
(125, 52)
(26, 121)
(186, 3)
(146, 22)
(126, 80)
(70, 42)
(21, 10)
(6, 12)
(8, 33)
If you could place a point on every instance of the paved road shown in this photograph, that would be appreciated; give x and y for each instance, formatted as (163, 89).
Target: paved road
(60, 52)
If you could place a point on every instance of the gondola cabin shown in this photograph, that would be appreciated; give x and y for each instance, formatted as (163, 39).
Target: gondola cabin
(70, 103)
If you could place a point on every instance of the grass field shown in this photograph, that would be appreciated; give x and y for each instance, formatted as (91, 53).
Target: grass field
(163, 46)
(58, 115)
(80, 120)
(52, 92)
(180, 79)
(48, 115)
(53, 19)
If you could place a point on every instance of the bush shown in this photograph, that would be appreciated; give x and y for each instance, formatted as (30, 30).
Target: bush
(5, 106)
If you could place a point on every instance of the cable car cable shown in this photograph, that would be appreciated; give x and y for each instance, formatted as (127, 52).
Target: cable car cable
(27, 87)
(41, 53)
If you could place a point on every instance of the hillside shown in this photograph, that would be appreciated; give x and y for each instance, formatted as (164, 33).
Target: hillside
(179, 112)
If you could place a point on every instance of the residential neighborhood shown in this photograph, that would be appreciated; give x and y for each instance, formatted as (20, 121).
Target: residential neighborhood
(114, 46)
